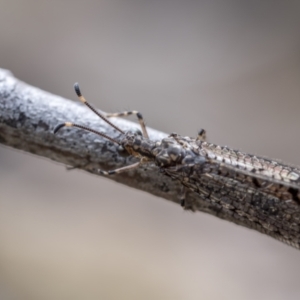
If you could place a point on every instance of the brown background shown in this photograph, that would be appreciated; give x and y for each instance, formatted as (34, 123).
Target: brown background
(232, 67)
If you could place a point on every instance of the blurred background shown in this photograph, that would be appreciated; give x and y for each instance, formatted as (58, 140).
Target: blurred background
(231, 67)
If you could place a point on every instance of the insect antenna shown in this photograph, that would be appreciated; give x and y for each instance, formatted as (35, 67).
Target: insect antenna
(69, 124)
(83, 100)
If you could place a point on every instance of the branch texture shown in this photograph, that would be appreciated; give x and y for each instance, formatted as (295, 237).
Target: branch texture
(28, 116)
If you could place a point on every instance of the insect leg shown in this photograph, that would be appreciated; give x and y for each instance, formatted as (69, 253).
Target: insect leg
(174, 135)
(201, 135)
(129, 113)
(69, 168)
(119, 170)
(182, 196)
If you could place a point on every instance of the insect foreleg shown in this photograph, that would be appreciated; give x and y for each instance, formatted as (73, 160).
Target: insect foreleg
(182, 196)
(129, 113)
(119, 170)
(201, 135)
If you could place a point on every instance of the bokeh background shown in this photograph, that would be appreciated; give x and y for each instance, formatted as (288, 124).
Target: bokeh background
(231, 67)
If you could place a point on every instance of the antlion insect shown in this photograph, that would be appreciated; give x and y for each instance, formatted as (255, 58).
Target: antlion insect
(258, 192)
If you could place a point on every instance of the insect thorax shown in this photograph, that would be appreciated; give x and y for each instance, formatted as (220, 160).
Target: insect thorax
(165, 153)
(172, 151)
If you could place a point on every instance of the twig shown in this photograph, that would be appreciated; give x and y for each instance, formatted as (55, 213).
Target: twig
(28, 116)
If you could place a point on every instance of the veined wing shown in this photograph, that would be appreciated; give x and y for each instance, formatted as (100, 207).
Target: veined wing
(233, 192)
(269, 176)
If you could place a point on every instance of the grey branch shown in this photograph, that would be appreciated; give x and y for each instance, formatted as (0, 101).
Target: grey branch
(28, 116)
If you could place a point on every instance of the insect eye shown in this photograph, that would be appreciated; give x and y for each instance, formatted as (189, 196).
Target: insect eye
(121, 149)
(137, 131)
(174, 153)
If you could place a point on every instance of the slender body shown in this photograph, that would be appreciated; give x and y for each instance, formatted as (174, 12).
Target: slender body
(259, 192)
